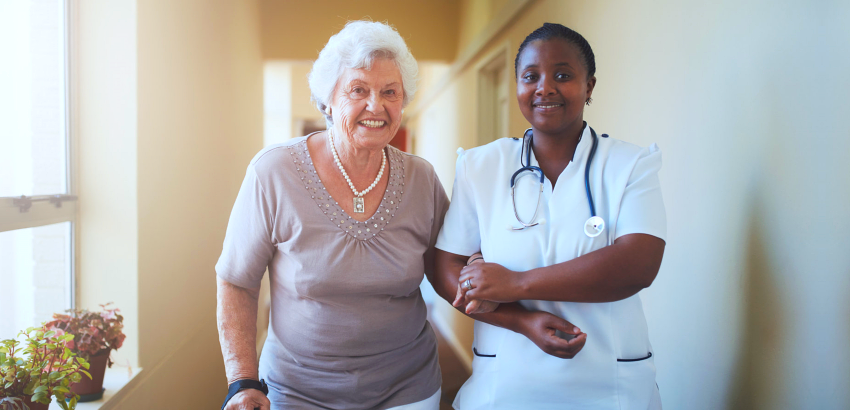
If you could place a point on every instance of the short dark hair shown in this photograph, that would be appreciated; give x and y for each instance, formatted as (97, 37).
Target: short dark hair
(554, 30)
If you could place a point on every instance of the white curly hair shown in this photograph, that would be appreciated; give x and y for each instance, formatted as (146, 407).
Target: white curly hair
(356, 46)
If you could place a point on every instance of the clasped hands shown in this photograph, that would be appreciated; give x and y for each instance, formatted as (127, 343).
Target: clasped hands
(490, 283)
(483, 286)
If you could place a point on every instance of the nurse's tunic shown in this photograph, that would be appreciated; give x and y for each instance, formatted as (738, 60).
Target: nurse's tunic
(348, 327)
(615, 369)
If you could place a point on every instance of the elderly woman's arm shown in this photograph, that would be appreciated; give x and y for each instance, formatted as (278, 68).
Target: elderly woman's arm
(237, 332)
(540, 327)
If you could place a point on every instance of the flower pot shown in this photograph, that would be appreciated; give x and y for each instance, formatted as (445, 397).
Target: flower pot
(92, 389)
(34, 406)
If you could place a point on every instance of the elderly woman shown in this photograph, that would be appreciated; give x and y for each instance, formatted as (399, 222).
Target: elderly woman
(346, 226)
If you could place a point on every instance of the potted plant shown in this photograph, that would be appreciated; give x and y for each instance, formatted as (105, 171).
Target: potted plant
(43, 368)
(96, 334)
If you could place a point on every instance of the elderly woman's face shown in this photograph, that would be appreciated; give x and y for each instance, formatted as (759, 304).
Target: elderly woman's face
(366, 106)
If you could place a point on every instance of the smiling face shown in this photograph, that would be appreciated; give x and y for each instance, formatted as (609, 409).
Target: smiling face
(552, 85)
(366, 106)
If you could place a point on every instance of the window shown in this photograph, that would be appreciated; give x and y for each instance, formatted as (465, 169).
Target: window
(37, 207)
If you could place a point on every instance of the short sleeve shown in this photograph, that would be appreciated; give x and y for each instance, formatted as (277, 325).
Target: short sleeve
(248, 246)
(460, 234)
(642, 207)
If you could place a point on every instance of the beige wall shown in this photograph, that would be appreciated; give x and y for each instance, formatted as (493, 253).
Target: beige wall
(104, 129)
(474, 17)
(298, 30)
(200, 122)
(170, 123)
(302, 107)
(748, 102)
(287, 102)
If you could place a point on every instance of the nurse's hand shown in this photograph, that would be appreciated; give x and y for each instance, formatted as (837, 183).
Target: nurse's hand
(473, 306)
(542, 328)
(490, 281)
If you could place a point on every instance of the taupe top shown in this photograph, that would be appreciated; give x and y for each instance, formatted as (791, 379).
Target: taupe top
(348, 326)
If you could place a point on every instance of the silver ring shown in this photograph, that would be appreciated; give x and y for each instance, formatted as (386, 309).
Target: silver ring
(468, 284)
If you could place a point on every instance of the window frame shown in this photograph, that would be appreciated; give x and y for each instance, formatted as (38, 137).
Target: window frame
(24, 212)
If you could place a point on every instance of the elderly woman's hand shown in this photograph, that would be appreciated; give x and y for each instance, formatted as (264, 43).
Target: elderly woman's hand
(249, 399)
(473, 306)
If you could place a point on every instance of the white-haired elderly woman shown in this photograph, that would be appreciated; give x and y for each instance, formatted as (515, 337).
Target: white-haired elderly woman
(346, 226)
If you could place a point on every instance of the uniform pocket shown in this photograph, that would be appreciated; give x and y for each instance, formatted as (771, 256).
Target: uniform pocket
(488, 339)
(475, 352)
(635, 382)
(636, 360)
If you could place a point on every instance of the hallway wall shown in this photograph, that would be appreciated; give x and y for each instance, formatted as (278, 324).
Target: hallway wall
(298, 30)
(171, 98)
(748, 104)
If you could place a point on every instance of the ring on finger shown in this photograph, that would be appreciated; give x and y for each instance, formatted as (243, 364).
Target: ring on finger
(468, 284)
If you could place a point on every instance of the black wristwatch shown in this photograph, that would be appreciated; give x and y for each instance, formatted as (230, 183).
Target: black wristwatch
(243, 384)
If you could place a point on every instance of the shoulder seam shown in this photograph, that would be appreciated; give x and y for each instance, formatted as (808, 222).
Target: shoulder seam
(284, 145)
(267, 151)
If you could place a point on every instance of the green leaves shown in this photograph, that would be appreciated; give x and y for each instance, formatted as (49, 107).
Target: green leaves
(43, 367)
(41, 397)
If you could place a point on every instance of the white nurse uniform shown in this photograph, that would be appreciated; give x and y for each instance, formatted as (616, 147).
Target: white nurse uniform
(615, 369)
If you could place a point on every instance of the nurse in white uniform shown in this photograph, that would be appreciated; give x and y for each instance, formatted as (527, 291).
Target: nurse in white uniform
(559, 323)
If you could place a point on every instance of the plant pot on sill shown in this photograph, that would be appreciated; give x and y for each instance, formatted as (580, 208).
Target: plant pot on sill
(92, 389)
(34, 406)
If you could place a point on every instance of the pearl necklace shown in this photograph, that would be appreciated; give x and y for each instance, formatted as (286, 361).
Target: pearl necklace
(359, 202)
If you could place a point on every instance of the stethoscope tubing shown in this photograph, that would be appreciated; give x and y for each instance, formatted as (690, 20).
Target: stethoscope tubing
(526, 166)
(587, 172)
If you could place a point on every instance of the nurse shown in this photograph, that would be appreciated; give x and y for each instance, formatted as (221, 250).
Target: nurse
(546, 262)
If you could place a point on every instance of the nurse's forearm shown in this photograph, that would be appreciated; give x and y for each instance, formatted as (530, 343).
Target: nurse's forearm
(609, 274)
(237, 330)
(448, 267)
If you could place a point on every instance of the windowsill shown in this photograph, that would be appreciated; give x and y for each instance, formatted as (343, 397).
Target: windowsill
(114, 380)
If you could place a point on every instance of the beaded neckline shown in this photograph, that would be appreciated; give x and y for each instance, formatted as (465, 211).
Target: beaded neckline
(373, 226)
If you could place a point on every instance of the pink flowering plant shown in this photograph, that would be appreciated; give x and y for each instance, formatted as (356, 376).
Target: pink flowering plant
(93, 331)
(41, 369)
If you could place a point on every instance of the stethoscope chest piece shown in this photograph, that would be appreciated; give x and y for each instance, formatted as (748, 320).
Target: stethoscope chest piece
(594, 226)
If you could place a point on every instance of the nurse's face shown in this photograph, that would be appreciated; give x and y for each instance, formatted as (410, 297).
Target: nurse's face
(552, 85)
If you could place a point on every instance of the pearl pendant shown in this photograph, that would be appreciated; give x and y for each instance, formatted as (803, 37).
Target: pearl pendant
(359, 205)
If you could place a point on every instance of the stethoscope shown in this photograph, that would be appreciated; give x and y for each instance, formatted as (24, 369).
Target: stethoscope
(594, 225)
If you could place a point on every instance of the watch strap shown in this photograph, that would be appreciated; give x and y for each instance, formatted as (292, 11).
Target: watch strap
(243, 384)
